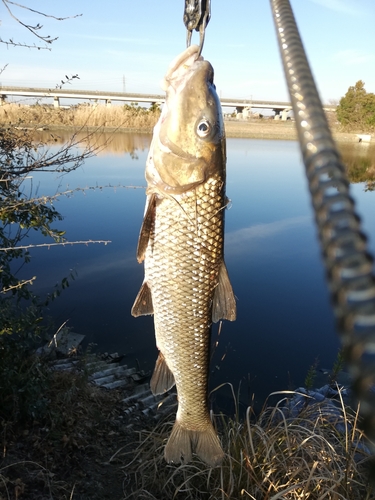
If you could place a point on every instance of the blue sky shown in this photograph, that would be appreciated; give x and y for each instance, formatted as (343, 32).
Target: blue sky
(117, 44)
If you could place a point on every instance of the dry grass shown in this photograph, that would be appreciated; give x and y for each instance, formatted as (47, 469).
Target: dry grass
(83, 447)
(79, 116)
(320, 454)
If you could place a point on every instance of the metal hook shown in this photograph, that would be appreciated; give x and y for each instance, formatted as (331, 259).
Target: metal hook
(197, 14)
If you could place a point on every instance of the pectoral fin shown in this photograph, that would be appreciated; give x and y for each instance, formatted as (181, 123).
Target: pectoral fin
(143, 303)
(162, 379)
(224, 303)
(147, 225)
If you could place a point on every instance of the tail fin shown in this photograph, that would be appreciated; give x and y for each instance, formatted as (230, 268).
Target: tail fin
(183, 442)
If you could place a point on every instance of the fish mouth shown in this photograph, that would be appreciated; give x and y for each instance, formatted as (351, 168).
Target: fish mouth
(177, 68)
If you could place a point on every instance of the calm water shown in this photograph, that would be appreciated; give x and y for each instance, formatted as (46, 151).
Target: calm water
(284, 320)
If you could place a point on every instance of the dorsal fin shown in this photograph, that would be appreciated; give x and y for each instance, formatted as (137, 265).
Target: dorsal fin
(147, 225)
(143, 303)
(224, 303)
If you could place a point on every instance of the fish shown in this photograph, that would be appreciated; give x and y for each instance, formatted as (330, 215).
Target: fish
(186, 284)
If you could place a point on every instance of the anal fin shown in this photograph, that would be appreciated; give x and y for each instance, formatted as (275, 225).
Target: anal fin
(224, 303)
(143, 302)
(162, 379)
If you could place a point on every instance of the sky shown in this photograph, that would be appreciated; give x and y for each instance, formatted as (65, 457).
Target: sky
(127, 45)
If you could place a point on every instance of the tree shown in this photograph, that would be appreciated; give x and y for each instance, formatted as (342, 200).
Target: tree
(21, 310)
(357, 108)
(20, 213)
(23, 377)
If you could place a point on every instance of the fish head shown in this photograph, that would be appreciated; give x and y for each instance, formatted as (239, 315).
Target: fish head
(189, 140)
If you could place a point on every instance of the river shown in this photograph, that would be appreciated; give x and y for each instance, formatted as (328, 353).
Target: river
(284, 322)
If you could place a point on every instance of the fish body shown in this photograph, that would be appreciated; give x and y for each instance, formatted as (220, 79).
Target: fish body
(186, 285)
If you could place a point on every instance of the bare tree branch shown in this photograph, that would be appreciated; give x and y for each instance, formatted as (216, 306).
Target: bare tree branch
(19, 285)
(3, 68)
(35, 30)
(48, 245)
(42, 13)
(12, 43)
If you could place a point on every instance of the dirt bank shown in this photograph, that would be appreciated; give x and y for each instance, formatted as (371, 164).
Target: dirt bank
(277, 130)
(255, 129)
(117, 120)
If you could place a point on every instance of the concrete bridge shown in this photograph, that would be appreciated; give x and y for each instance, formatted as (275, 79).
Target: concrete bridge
(242, 106)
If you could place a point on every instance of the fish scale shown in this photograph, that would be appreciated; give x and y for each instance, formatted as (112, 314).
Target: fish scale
(182, 266)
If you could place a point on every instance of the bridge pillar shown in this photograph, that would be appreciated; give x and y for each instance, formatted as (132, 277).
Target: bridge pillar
(108, 103)
(246, 112)
(239, 112)
(277, 114)
(2, 99)
(284, 114)
(56, 102)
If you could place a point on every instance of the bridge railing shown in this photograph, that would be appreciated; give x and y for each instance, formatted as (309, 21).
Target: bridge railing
(108, 96)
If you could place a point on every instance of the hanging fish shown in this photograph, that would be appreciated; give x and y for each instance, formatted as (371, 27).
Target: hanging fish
(186, 285)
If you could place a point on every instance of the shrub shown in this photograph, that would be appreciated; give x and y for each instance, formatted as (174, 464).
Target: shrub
(357, 108)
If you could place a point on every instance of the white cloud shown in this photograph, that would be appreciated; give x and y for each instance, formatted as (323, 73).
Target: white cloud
(249, 237)
(95, 266)
(350, 57)
(136, 41)
(343, 6)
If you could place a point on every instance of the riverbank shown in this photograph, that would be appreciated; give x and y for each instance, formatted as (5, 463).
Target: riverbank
(276, 130)
(137, 119)
(257, 129)
(91, 444)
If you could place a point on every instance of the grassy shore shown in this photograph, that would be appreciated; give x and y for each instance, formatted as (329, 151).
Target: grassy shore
(97, 116)
(277, 130)
(317, 453)
(136, 118)
(84, 445)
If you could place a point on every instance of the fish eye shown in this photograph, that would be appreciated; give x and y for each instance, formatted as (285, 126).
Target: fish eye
(203, 128)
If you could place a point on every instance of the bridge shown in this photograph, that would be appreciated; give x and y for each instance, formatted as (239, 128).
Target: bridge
(242, 106)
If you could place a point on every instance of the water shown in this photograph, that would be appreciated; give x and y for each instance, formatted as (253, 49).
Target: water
(284, 321)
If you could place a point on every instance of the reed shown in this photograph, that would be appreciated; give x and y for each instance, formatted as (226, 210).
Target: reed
(83, 115)
(319, 454)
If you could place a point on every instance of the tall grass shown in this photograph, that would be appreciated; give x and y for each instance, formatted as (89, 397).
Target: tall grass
(320, 454)
(84, 115)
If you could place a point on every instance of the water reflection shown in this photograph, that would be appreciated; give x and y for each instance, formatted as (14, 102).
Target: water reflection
(359, 159)
(104, 142)
(284, 319)
(252, 238)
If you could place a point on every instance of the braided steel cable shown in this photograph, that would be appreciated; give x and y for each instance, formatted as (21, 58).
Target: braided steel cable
(349, 266)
